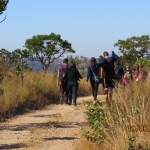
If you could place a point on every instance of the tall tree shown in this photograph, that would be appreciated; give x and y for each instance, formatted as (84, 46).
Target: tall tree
(47, 48)
(81, 63)
(3, 6)
(134, 48)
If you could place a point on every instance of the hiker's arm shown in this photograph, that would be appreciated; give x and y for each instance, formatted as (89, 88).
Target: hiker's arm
(88, 75)
(102, 58)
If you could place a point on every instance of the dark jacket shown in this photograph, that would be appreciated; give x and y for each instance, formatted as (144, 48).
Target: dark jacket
(92, 69)
(72, 75)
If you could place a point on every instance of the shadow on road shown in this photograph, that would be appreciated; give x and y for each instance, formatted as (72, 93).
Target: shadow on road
(12, 146)
(43, 125)
(61, 138)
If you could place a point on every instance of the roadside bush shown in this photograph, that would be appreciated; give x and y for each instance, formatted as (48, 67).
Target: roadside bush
(125, 116)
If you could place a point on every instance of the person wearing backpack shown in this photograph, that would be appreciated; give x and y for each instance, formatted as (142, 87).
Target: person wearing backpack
(92, 71)
(108, 73)
(72, 77)
(63, 85)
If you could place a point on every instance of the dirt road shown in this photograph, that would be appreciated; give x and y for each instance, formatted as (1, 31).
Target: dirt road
(55, 127)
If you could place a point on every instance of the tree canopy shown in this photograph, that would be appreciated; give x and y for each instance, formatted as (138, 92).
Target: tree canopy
(3, 6)
(134, 48)
(47, 48)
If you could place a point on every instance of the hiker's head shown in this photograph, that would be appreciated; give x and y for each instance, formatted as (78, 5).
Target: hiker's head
(65, 60)
(72, 64)
(105, 54)
(93, 61)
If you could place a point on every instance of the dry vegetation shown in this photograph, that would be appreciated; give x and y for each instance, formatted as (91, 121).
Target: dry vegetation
(130, 106)
(125, 124)
(38, 90)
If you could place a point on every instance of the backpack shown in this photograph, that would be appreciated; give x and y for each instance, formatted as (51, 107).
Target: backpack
(119, 72)
(63, 72)
(128, 74)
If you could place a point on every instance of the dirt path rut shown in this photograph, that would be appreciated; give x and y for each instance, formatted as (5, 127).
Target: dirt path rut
(55, 127)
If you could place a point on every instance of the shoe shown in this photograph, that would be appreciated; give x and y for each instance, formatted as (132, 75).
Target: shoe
(61, 100)
(94, 102)
(75, 104)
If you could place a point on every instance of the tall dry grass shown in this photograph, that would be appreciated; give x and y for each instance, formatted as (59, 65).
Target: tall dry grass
(128, 115)
(38, 90)
(127, 119)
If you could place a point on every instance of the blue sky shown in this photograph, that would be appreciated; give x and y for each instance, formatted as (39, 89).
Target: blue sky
(91, 26)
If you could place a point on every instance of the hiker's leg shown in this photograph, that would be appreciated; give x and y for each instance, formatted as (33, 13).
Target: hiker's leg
(110, 93)
(61, 91)
(106, 88)
(106, 92)
(95, 90)
(103, 87)
(93, 87)
(61, 94)
(66, 96)
(65, 89)
(70, 93)
(74, 93)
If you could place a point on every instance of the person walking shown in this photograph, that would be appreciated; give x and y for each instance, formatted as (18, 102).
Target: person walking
(63, 85)
(92, 71)
(108, 72)
(72, 77)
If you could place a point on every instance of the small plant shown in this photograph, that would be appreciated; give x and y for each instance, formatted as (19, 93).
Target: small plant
(130, 145)
(54, 72)
(96, 120)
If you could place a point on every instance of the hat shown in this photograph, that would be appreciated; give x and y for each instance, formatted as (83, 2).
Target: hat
(112, 54)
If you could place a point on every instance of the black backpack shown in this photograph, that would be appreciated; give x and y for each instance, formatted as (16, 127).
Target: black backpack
(119, 72)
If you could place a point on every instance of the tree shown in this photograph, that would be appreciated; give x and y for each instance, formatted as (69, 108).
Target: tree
(47, 48)
(14, 61)
(76, 60)
(81, 63)
(20, 67)
(3, 6)
(134, 48)
(6, 58)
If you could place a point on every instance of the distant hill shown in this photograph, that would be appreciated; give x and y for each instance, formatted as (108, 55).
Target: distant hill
(37, 67)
